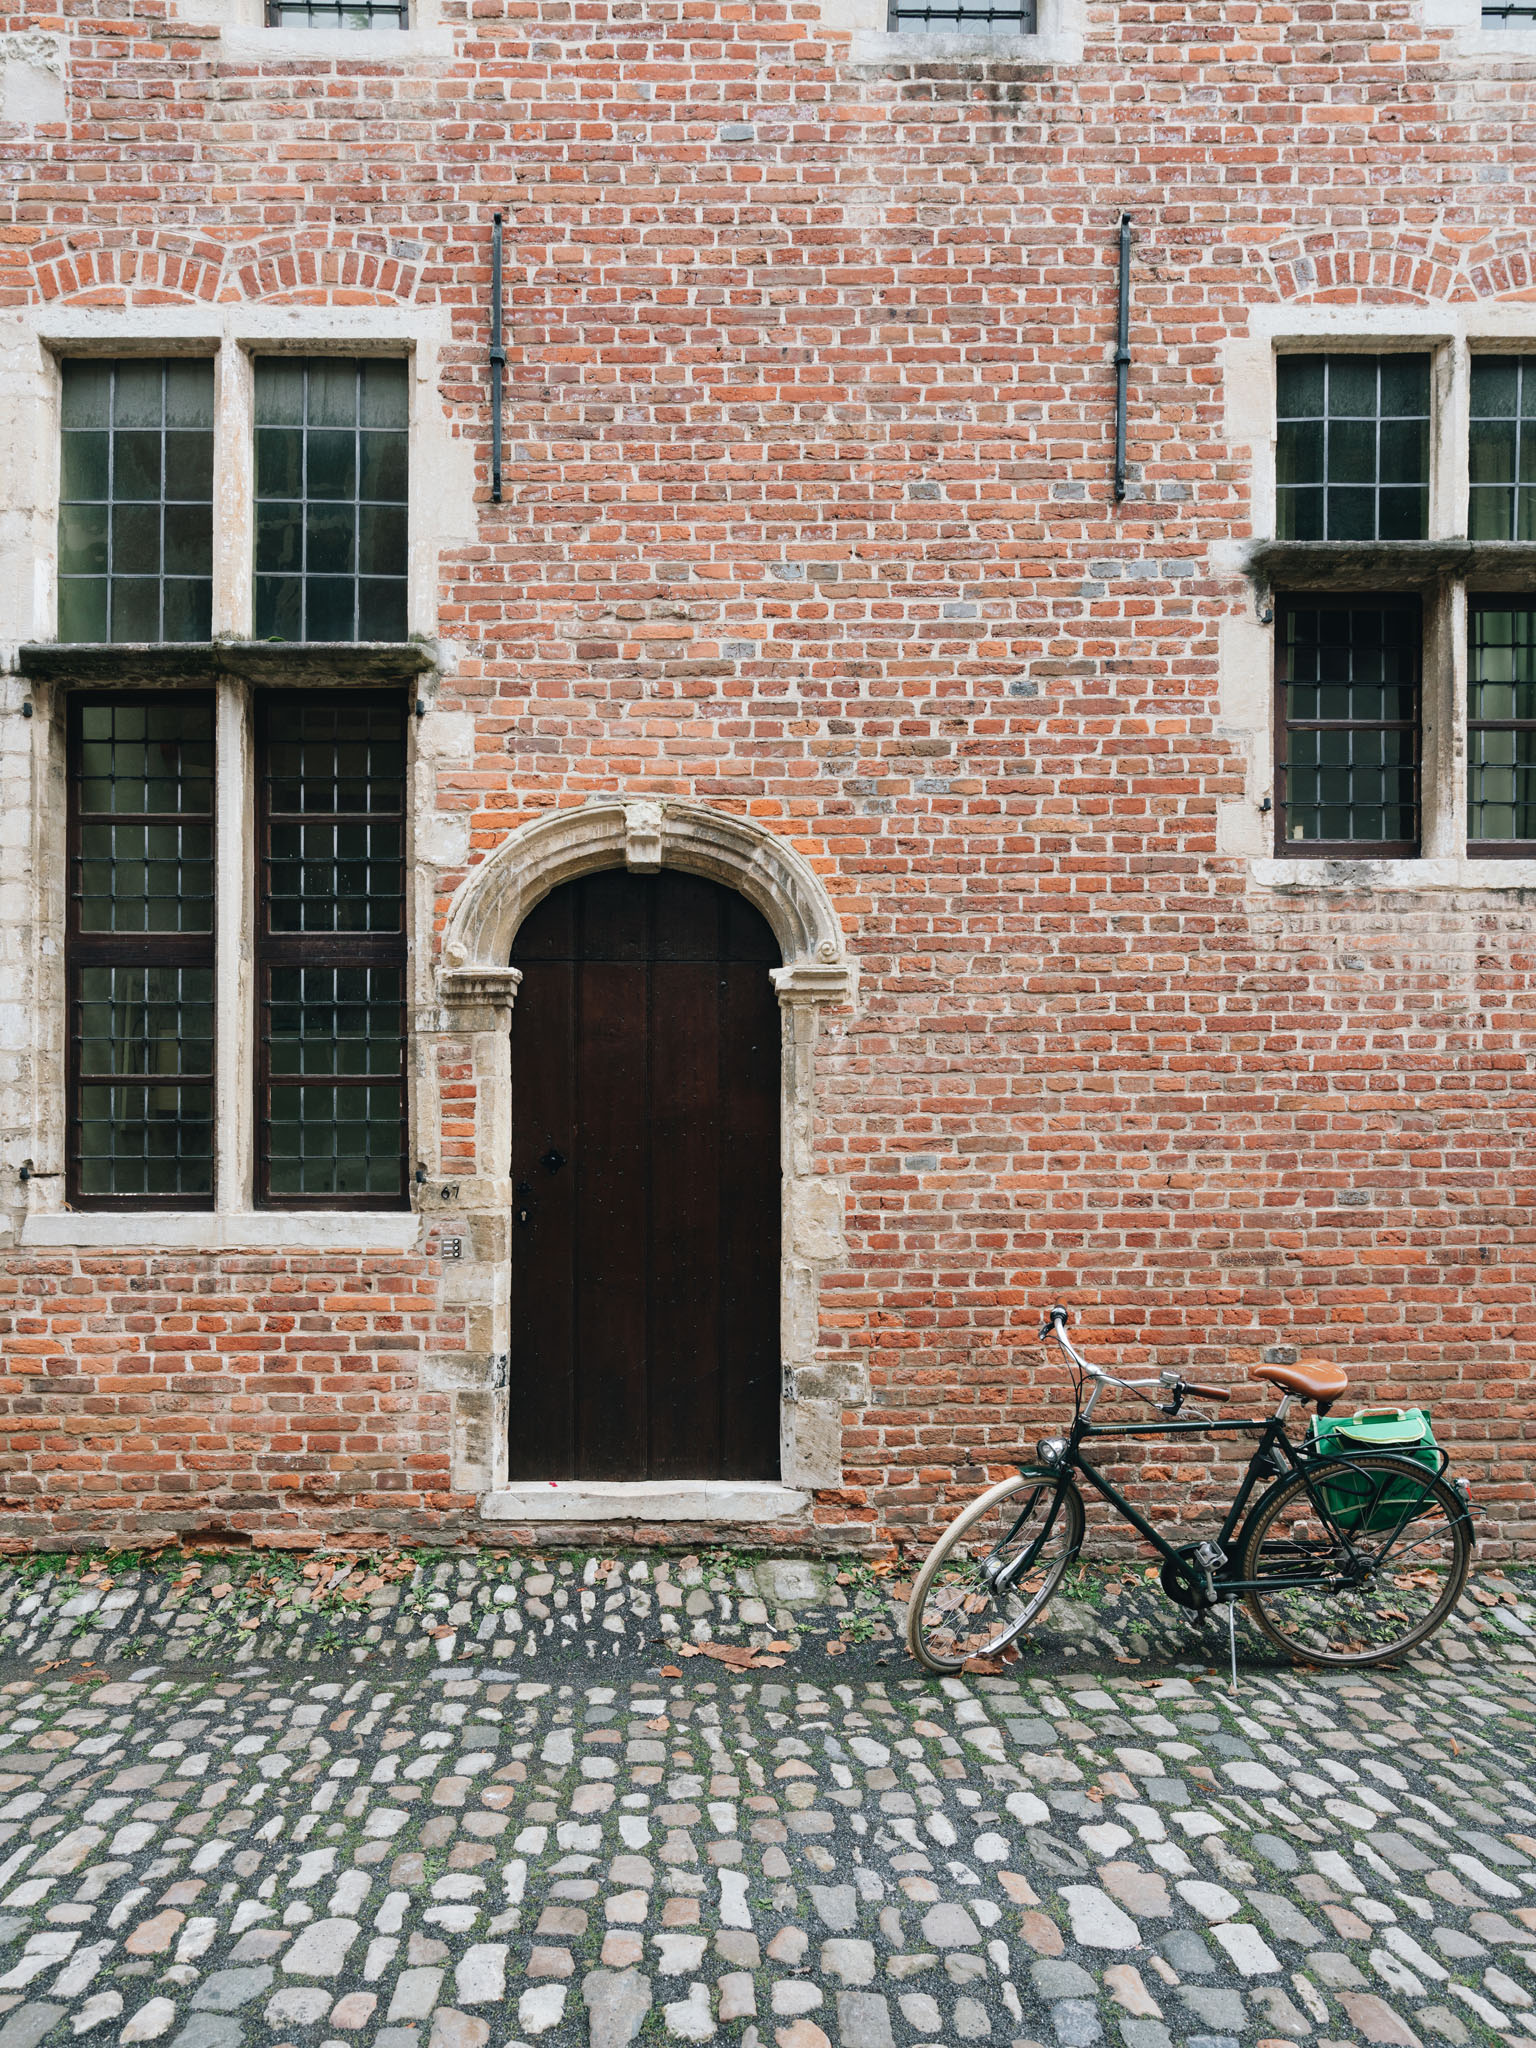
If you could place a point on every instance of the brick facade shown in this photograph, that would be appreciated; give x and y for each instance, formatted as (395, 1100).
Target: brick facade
(808, 522)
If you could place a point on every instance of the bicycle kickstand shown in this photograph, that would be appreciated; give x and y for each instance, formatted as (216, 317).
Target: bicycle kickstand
(1232, 1641)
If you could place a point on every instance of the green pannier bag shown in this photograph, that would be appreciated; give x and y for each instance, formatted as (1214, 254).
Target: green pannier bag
(1352, 1497)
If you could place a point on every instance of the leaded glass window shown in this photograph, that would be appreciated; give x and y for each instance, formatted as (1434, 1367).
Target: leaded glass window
(140, 951)
(136, 501)
(331, 921)
(1501, 726)
(353, 14)
(331, 472)
(1347, 738)
(1501, 450)
(1352, 447)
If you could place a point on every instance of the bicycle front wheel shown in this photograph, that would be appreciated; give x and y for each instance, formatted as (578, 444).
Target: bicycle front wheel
(1382, 1548)
(993, 1571)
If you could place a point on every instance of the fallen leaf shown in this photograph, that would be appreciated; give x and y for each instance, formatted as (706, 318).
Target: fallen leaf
(248, 1621)
(688, 1649)
(443, 1631)
(738, 1655)
(778, 1646)
(983, 1667)
(659, 1726)
(836, 1647)
(669, 1671)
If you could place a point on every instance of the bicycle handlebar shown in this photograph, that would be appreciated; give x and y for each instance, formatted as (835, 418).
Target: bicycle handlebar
(1055, 1325)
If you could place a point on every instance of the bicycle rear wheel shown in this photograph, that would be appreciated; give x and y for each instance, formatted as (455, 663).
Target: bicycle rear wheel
(993, 1571)
(1387, 1547)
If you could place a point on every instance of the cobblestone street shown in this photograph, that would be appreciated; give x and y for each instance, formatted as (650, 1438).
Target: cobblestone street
(785, 1838)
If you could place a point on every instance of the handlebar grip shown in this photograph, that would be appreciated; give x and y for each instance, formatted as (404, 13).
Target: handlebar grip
(1205, 1393)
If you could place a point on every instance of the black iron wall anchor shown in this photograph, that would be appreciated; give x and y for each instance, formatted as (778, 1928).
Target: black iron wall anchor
(498, 359)
(1122, 354)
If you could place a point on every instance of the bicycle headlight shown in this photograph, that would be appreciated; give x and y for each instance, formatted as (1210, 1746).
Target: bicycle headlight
(1050, 1452)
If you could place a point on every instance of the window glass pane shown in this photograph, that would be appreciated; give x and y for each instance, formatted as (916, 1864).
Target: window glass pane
(381, 608)
(1501, 450)
(335, 800)
(334, 1141)
(151, 1140)
(142, 787)
(141, 952)
(333, 780)
(1495, 387)
(1501, 723)
(137, 435)
(279, 391)
(1360, 425)
(1299, 387)
(1491, 451)
(384, 401)
(279, 462)
(336, 1021)
(83, 540)
(1349, 682)
(87, 395)
(341, 445)
(1299, 452)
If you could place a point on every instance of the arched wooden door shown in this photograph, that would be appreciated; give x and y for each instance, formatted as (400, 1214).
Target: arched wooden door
(645, 1169)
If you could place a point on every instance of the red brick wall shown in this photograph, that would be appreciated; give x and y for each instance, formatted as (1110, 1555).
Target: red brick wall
(808, 513)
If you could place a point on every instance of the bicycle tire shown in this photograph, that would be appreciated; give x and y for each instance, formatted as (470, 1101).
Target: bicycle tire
(1343, 1628)
(1066, 1540)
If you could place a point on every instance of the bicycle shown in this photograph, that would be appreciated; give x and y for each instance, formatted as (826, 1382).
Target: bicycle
(1347, 1559)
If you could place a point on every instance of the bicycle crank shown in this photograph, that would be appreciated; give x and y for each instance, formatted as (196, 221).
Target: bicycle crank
(1189, 1583)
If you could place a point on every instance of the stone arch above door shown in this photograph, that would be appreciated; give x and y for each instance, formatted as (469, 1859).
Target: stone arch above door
(645, 833)
(468, 1188)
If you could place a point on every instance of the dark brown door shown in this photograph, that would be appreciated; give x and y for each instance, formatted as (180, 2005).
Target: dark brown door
(645, 1170)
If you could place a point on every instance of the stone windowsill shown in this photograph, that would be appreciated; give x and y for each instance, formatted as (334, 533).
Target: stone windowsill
(664, 1501)
(1363, 876)
(202, 1230)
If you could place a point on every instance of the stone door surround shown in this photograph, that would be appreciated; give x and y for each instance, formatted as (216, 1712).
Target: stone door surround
(468, 1185)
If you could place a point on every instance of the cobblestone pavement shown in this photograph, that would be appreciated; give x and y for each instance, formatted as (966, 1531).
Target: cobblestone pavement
(820, 1850)
(606, 1610)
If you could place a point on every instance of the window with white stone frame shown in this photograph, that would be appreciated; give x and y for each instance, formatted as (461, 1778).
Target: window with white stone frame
(1398, 586)
(234, 826)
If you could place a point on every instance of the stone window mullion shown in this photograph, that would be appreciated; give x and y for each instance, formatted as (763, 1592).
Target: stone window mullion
(234, 1111)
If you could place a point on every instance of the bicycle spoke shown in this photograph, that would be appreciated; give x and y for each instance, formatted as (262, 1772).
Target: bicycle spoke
(960, 1609)
(1375, 1594)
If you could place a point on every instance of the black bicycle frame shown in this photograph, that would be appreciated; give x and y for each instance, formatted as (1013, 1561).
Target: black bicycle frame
(1274, 1456)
